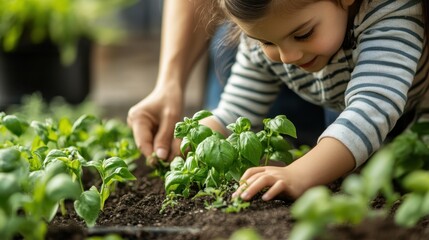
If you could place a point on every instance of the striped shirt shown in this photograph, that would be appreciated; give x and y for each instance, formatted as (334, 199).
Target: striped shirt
(372, 84)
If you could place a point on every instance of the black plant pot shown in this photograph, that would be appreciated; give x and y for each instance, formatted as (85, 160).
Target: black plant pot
(34, 68)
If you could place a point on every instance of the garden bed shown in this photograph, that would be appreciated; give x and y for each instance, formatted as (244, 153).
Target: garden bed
(76, 175)
(133, 212)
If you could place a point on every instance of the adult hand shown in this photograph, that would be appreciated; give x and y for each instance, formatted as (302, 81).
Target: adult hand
(153, 121)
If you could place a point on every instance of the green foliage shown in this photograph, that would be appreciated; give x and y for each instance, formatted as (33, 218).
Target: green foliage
(398, 172)
(245, 234)
(42, 164)
(212, 162)
(63, 22)
(35, 108)
(404, 162)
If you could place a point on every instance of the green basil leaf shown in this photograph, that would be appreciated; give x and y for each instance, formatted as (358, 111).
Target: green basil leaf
(232, 127)
(348, 209)
(242, 124)
(417, 181)
(88, 206)
(14, 124)
(234, 139)
(201, 115)
(217, 153)
(245, 233)
(9, 185)
(425, 204)
(408, 213)
(284, 157)
(250, 147)
(280, 124)
(48, 209)
(213, 179)
(378, 171)
(198, 134)
(177, 164)
(353, 185)
(41, 130)
(113, 163)
(181, 130)
(200, 175)
(10, 159)
(184, 145)
(53, 155)
(54, 168)
(176, 181)
(120, 174)
(83, 122)
(65, 126)
(313, 204)
(191, 163)
(305, 230)
(97, 163)
(280, 144)
(263, 138)
(62, 186)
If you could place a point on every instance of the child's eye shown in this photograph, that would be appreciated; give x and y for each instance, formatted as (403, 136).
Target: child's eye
(265, 44)
(305, 36)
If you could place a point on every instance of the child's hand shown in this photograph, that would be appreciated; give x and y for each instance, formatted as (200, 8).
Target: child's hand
(326, 162)
(281, 182)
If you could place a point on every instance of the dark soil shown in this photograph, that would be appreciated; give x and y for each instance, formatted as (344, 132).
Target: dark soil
(133, 211)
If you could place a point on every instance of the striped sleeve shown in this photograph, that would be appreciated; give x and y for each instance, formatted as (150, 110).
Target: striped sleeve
(251, 88)
(389, 47)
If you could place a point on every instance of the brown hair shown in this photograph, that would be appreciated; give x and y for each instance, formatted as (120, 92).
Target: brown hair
(425, 10)
(250, 10)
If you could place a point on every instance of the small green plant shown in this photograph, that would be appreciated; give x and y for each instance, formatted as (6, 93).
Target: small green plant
(34, 107)
(111, 170)
(213, 162)
(245, 234)
(42, 163)
(403, 162)
(28, 199)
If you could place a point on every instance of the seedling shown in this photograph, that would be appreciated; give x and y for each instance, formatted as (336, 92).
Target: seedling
(212, 161)
(41, 166)
(403, 162)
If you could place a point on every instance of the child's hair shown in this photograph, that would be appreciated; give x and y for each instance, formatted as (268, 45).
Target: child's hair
(425, 9)
(250, 10)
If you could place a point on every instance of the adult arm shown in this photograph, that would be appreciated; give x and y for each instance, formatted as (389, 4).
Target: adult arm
(184, 38)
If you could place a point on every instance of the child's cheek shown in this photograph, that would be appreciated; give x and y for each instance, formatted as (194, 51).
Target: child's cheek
(272, 53)
(328, 44)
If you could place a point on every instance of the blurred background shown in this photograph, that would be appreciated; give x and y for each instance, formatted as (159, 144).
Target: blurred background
(126, 72)
(113, 74)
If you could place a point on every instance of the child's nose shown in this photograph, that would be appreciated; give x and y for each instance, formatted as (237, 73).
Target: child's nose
(290, 55)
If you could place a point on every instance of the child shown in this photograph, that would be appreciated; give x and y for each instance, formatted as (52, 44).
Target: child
(367, 59)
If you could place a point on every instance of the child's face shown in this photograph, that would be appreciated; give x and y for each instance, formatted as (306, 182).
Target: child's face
(307, 37)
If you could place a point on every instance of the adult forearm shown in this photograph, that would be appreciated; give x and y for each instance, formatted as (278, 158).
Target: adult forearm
(184, 39)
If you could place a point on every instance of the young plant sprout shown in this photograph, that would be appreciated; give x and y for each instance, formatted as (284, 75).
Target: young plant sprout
(214, 162)
(42, 163)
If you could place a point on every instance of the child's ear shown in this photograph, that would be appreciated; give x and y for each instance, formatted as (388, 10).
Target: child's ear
(347, 3)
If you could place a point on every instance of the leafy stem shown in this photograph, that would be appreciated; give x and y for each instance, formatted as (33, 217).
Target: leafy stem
(213, 161)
